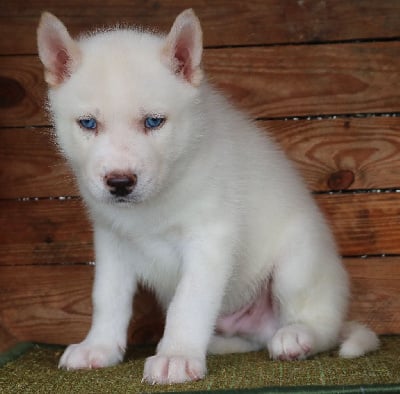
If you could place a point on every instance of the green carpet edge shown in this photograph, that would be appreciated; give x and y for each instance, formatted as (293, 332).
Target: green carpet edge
(23, 347)
(15, 352)
(356, 389)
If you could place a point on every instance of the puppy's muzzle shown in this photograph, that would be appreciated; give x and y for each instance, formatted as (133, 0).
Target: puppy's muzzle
(120, 184)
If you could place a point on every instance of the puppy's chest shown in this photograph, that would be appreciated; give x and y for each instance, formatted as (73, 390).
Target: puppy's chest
(158, 253)
(160, 264)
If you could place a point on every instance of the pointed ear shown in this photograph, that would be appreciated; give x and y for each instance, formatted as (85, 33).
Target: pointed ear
(58, 52)
(184, 47)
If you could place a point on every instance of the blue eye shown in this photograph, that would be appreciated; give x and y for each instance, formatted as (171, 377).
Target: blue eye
(153, 122)
(88, 123)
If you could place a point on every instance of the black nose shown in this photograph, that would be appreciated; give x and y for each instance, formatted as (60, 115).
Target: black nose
(120, 184)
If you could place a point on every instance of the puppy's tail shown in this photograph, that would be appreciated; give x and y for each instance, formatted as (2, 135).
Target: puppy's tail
(356, 340)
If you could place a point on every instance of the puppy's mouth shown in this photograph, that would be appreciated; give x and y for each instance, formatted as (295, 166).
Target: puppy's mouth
(121, 200)
(124, 200)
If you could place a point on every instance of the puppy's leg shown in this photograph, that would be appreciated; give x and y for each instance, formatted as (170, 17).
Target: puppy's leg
(181, 354)
(311, 286)
(113, 290)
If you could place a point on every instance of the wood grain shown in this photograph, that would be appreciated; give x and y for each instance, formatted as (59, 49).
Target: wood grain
(57, 232)
(286, 81)
(30, 165)
(224, 23)
(46, 304)
(7, 341)
(52, 304)
(364, 224)
(376, 292)
(22, 92)
(44, 232)
(266, 82)
(331, 154)
(342, 154)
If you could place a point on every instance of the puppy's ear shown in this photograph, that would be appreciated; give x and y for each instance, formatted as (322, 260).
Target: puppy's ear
(184, 47)
(58, 52)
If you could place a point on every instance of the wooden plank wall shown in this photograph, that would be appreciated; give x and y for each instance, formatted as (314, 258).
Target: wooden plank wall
(322, 76)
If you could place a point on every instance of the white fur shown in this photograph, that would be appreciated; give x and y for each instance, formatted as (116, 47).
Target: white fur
(217, 212)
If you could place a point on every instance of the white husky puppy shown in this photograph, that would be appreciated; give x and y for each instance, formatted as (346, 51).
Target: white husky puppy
(188, 197)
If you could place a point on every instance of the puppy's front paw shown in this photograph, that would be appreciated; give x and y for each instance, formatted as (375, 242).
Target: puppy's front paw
(168, 370)
(87, 356)
(293, 342)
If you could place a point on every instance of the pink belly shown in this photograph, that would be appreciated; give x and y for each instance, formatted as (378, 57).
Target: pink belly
(257, 318)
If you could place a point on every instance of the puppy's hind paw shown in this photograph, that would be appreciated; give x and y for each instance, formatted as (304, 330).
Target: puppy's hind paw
(168, 370)
(293, 342)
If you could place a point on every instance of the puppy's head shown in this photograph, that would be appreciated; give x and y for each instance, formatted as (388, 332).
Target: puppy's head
(124, 104)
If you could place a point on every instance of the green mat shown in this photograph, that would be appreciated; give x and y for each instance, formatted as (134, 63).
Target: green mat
(35, 371)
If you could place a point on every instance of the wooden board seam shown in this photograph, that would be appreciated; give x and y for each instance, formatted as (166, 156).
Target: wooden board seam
(389, 190)
(333, 116)
(305, 43)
